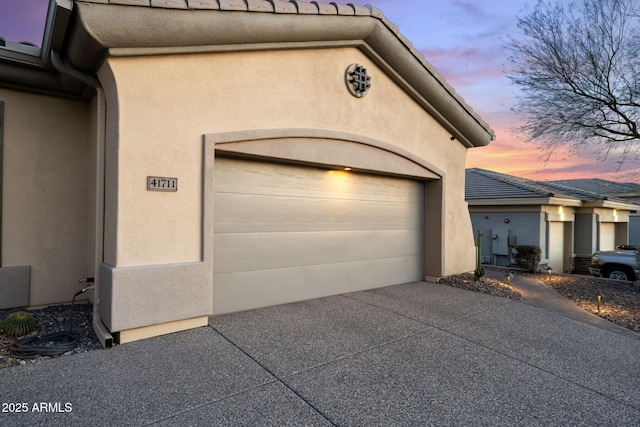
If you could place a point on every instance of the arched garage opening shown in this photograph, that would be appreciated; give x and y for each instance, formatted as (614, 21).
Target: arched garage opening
(300, 215)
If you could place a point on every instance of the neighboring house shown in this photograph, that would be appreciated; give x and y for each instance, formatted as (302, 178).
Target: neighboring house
(200, 157)
(620, 190)
(568, 224)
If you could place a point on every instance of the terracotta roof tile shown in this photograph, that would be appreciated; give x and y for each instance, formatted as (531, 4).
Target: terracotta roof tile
(325, 9)
(305, 8)
(170, 4)
(259, 6)
(343, 9)
(126, 2)
(203, 4)
(360, 10)
(375, 12)
(280, 6)
(233, 5)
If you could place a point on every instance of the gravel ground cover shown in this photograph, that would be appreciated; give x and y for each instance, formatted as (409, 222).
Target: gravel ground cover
(49, 320)
(485, 285)
(619, 301)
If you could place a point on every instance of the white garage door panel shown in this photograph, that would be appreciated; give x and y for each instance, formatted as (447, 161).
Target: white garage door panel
(249, 213)
(243, 177)
(287, 233)
(262, 251)
(244, 291)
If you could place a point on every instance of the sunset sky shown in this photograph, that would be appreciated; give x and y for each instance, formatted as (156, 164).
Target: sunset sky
(463, 40)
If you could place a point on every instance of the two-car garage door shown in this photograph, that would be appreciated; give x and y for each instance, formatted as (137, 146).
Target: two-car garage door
(286, 233)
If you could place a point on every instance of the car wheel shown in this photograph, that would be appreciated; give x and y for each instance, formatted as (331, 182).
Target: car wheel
(618, 274)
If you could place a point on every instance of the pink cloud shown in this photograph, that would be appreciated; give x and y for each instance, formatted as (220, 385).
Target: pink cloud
(510, 154)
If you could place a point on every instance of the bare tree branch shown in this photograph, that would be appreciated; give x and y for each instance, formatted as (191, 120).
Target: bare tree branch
(578, 68)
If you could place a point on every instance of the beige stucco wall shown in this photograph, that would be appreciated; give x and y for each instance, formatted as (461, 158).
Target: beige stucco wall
(44, 218)
(159, 110)
(165, 104)
(559, 213)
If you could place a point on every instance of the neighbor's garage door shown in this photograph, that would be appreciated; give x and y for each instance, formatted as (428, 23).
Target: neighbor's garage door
(556, 246)
(607, 236)
(287, 233)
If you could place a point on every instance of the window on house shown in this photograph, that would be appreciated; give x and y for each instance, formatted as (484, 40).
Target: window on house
(29, 27)
(22, 25)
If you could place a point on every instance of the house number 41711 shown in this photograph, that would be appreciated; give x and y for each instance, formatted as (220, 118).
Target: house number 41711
(159, 183)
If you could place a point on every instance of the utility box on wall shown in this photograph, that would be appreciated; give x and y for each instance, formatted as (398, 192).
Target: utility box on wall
(500, 241)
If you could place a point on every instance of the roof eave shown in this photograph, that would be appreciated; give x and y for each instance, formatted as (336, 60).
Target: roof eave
(611, 204)
(516, 201)
(100, 30)
(519, 201)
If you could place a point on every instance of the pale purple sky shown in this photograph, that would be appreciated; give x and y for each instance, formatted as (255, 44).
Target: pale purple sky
(23, 20)
(463, 39)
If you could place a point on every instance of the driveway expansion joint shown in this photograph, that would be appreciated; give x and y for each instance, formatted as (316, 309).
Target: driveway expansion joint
(275, 376)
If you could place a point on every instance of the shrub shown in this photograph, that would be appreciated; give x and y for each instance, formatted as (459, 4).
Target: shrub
(528, 257)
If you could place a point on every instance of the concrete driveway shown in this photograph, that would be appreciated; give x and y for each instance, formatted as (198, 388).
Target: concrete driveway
(407, 355)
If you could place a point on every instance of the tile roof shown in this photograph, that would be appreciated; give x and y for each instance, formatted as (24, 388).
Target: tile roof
(285, 7)
(273, 6)
(464, 123)
(145, 27)
(485, 184)
(601, 186)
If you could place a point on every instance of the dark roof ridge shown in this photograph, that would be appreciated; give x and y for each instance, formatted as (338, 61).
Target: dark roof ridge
(585, 193)
(580, 182)
(513, 180)
(544, 186)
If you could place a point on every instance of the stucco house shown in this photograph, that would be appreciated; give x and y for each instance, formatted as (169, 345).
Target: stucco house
(568, 224)
(199, 157)
(621, 190)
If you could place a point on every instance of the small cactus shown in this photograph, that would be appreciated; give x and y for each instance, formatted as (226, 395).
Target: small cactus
(19, 324)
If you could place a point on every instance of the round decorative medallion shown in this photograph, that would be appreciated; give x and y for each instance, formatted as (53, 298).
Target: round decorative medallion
(357, 79)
